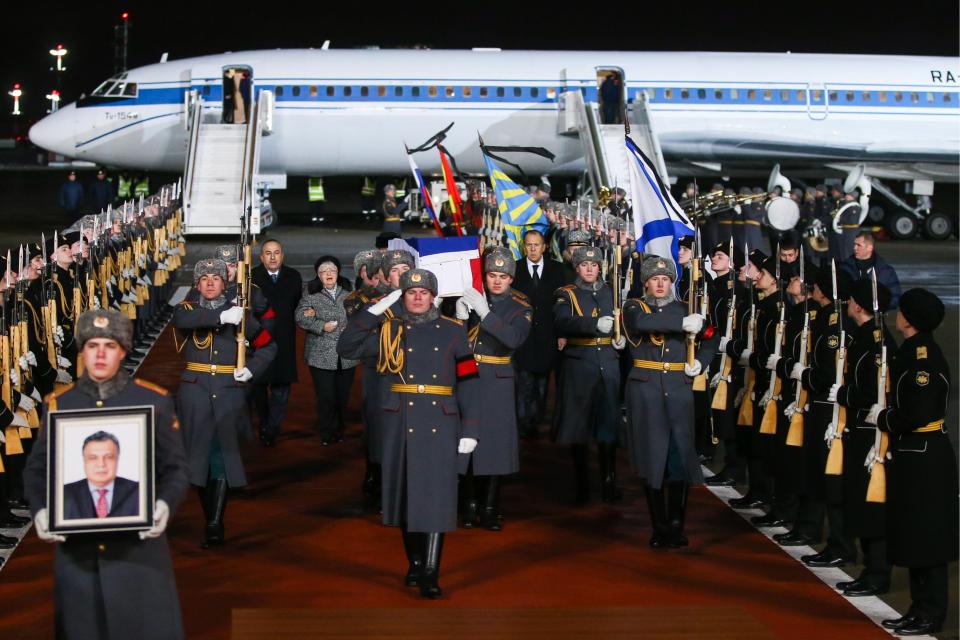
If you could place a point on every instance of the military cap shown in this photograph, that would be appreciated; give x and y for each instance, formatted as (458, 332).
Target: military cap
(824, 280)
(500, 260)
(419, 278)
(757, 258)
(789, 241)
(788, 270)
(724, 248)
(105, 323)
(393, 257)
(367, 258)
(578, 237)
(657, 266)
(210, 266)
(68, 238)
(687, 242)
(862, 294)
(922, 309)
(387, 188)
(227, 253)
(586, 254)
(545, 187)
(35, 249)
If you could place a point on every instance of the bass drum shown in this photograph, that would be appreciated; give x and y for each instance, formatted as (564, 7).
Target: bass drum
(782, 214)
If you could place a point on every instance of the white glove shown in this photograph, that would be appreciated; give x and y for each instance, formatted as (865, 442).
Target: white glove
(3, 437)
(790, 410)
(715, 380)
(36, 396)
(772, 362)
(873, 414)
(113, 280)
(463, 309)
(740, 395)
(26, 403)
(797, 372)
(161, 514)
(620, 344)
(745, 357)
(233, 315)
(467, 445)
(693, 323)
(870, 459)
(63, 377)
(63, 362)
(477, 301)
(765, 398)
(242, 375)
(693, 370)
(42, 525)
(58, 335)
(830, 433)
(14, 377)
(605, 324)
(31, 359)
(22, 361)
(19, 420)
(832, 396)
(378, 308)
(724, 340)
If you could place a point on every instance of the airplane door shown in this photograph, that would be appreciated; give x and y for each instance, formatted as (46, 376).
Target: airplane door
(237, 91)
(611, 94)
(818, 102)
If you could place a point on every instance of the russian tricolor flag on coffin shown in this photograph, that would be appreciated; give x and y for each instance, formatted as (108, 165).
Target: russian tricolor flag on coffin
(454, 260)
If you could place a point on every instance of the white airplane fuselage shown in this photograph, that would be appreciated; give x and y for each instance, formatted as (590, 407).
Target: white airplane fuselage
(350, 112)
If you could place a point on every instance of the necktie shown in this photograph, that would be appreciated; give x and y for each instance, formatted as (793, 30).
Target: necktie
(273, 276)
(536, 276)
(102, 503)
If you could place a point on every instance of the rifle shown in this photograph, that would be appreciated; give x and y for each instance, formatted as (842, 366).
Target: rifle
(615, 286)
(799, 406)
(745, 417)
(13, 446)
(838, 422)
(703, 306)
(243, 284)
(877, 489)
(691, 296)
(768, 425)
(726, 362)
(49, 307)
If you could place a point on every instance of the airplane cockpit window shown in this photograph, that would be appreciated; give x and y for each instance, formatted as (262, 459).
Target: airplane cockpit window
(112, 87)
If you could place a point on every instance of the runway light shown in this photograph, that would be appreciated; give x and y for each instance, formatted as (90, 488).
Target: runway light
(16, 93)
(59, 53)
(125, 15)
(54, 98)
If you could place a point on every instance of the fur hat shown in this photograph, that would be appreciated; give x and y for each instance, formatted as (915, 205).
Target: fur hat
(578, 237)
(367, 258)
(657, 266)
(105, 323)
(500, 260)
(419, 278)
(210, 266)
(227, 253)
(393, 257)
(586, 254)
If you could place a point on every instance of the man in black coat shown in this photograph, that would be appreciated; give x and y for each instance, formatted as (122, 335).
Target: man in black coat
(283, 287)
(100, 192)
(537, 277)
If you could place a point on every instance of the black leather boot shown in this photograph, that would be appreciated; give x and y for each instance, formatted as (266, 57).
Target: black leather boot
(213, 535)
(490, 518)
(579, 452)
(658, 518)
(609, 490)
(677, 513)
(413, 547)
(430, 575)
(368, 486)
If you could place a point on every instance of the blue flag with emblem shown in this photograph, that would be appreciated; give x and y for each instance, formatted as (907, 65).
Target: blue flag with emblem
(519, 212)
(659, 221)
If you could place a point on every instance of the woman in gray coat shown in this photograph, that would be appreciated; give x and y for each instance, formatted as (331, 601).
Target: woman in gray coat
(321, 314)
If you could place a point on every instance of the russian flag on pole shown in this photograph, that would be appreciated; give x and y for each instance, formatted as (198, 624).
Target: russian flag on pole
(454, 260)
(658, 219)
(424, 194)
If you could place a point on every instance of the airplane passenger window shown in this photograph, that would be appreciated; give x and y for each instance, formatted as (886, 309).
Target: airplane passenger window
(898, 96)
(767, 94)
(364, 91)
(278, 91)
(817, 95)
(415, 91)
(684, 94)
(947, 97)
(668, 94)
(467, 91)
(833, 96)
(483, 92)
(347, 92)
(784, 96)
(734, 94)
(883, 96)
(702, 94)
(432, 92)
(398, 91)
(517, 92)
(718, 94)
(330, 91)
(751, 94)
(929, 96)
(551, 93)
(295, 90)
(451, 92)
(915, 97)
(534, 92)
(313, 91)
(801, 95)
(849, 96)
(381, 91)
(866, 96)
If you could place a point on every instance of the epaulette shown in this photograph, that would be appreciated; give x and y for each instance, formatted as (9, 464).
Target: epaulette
(921, 353)
(569, 287)
(146, 384)
(521, 298)
(186, 305)
(454, 320)
(51, 398)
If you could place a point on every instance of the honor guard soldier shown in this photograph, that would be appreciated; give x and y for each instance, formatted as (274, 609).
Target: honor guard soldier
(921, 482)
(212, 399)
(844, 227)
(660, 397)
(392, 211)
(429, 403)
(858, 393)
(498, 323)
(588, 396)
(575, 238)
(114, 585)
(258, 302)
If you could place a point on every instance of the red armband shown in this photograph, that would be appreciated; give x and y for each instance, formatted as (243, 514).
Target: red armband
(269, 313)
(467, 368)
(262, 338)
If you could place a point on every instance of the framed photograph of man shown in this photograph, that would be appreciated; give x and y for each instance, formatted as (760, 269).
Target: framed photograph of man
(100, 469)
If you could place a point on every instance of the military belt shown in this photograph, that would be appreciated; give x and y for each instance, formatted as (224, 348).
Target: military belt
(849, 226)
(658, 366)
(933, 426)
(589, 342)
(212, 369)
(755, 222)
(429, 389)
(725, 221)
(491, 359)
(391, 219)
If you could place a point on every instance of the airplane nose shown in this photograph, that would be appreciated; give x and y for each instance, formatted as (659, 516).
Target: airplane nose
(55, 132)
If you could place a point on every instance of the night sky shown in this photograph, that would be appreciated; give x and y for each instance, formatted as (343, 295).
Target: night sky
(918, 27)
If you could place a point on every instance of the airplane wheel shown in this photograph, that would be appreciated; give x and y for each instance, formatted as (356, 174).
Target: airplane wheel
(876, 214)
(937, 226)
(903, 226)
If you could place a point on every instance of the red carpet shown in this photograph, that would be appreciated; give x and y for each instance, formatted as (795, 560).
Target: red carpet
(305, 559)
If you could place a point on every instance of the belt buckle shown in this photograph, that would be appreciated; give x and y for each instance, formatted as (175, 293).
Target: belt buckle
(477, 357)
(666, 366)
(421, 388)
(213, 369)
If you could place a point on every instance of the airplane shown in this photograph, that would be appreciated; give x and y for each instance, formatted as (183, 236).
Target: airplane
(350, 112)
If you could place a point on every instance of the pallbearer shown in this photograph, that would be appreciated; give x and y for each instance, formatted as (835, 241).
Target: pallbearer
(660, 397)
(921, 487)
(497, 323)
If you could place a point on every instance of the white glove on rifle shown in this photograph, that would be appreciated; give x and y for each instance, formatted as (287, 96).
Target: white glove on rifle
(790, 410)
(620, 344)
(605, 324)
(242, 375)
(35, 395)
(26, 403)
(63, 362)
(477, 301)
(772, 362)
(14, 377)
(739, 399)
(3, 437)
(19, 420)
(42, 525)
(63, 377)
(797, 372)
(832, 395)
(161, 514)
(378, 308)
(715, 380)
(693, 370)
(693, 323)
(830, 433)
(724, 340)
(463, 309)
(58, 335)
(467, 445)
(31, 359)
(874, 414)
(233, 315)
(745, 357)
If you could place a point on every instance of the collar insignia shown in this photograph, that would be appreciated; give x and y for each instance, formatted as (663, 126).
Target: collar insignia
(921, 353)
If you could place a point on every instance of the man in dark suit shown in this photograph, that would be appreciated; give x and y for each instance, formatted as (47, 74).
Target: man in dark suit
(101, 494)
(283, 287)
(537, 277)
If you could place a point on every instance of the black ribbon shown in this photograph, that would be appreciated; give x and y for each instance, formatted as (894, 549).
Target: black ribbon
(538, 151)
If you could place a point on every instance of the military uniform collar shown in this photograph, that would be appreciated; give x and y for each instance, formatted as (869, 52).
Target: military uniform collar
(596, 286)
(419, 318)
(216, 303)
(500, 298)
(106, 389)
